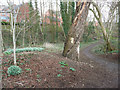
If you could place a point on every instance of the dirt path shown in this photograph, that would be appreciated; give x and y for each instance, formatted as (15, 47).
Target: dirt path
(103, 61)
(104, 70)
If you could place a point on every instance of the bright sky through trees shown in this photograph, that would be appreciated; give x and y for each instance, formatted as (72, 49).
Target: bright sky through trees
(104, 9)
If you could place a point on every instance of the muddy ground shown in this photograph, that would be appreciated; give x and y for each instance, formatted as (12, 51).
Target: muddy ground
(43, 70)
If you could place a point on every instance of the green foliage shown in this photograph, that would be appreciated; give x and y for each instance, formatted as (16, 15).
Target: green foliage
(33, 32)
(14, 70)
(114, 51)
(119, 15)
(101, 49)
(21, 63)
(62, 66)
(30, 3)
(7, 37)
(72, 69)
(10, 51)
(49, 33)
(63, 63)
(89, 32)
(59, 75)
(60, 70)
(73, 10)
(115, 43)
(5, 23)
(38, 76)
(85, 44)
(8, 23)
(67, 11)
(28, 69)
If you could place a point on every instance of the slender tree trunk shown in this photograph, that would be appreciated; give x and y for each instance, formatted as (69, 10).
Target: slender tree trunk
(1, 48)
(119, 32)
(119, 13)
(72, 43)
(56, 21)
(24, 35)
(24, 26)
(14, 41)
(41, 26)
(13, 19)
(1, 40)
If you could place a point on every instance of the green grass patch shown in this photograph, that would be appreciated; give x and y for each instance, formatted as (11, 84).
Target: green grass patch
(100, 49)
(85, 44)
(114, 51)
(58, 47)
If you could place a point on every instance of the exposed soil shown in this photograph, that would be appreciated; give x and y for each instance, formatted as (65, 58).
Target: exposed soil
(44, 69)
(113, 57)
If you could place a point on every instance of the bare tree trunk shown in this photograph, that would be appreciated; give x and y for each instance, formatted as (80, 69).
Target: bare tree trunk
(106, 38)
(1, 48)
(24, 35)
(119, 13)
(105, 35)
(13, 19)
(72, 43)
(119, 31)
(1, 40)
(41, 12)
(24, 26)
(14, 41)
(56, 22)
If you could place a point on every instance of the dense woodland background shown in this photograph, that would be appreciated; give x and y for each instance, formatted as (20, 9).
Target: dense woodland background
(76, 45)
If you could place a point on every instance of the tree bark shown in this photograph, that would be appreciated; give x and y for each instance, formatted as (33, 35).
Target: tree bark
(24, 35)
(72, 43)
(119, 14)
(1, 48)
(14, 41)
(13, 23)
(119, 31)
(1, 40)
(105, 35)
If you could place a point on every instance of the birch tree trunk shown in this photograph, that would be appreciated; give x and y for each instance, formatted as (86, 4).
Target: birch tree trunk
(14, 41)
(72, 43)
(13, 19)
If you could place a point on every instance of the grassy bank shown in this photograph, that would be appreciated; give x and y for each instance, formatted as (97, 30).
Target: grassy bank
(99, 49)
